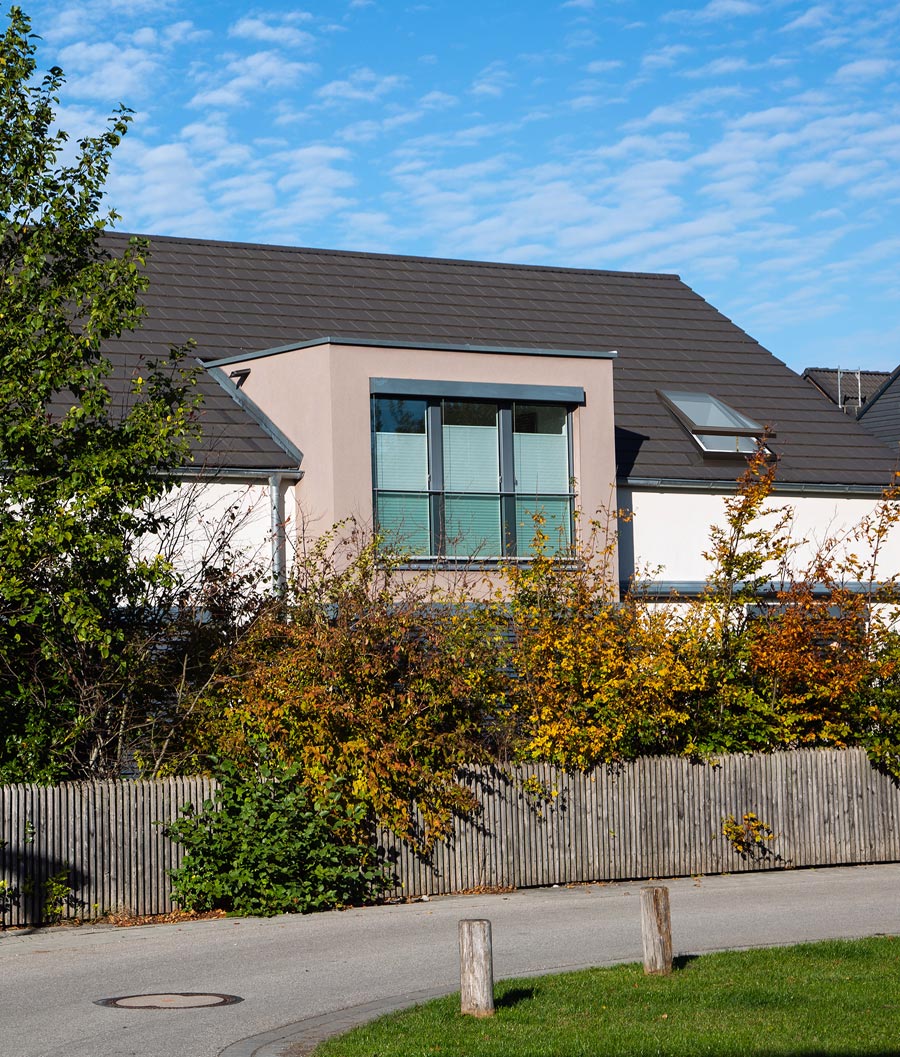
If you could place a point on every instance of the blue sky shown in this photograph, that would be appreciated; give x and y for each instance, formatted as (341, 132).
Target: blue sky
(751, 146)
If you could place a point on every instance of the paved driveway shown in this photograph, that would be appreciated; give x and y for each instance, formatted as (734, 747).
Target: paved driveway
(290, 968)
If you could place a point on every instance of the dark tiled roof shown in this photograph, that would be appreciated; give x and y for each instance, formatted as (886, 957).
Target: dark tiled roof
(233, 438)
(881, 415)
(233, 298)
(850, 390)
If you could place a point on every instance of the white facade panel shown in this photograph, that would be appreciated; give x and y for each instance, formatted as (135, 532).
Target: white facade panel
(668, 532)
(209, 517)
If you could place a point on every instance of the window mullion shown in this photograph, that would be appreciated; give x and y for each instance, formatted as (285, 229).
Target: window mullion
(507, 480)
(436, 476)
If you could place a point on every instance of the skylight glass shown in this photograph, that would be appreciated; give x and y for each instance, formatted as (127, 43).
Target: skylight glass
(701, 412)
(716, 428)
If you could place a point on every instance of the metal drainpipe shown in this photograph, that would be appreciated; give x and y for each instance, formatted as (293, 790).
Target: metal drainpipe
(279, 534)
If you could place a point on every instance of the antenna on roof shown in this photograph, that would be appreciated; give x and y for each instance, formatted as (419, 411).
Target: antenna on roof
(840, 394)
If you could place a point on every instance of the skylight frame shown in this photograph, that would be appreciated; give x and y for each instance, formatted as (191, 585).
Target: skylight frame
(732, 423)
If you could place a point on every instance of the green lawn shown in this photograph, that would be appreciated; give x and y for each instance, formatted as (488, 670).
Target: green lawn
(839, 997)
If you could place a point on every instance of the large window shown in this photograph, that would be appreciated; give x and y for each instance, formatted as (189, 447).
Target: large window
(467, 477)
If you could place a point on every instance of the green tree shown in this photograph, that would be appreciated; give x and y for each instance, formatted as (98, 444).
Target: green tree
(80, 462)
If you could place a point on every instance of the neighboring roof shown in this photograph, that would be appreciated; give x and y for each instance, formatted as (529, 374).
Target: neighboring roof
(881, 415)
(850, 390)
(233, 298)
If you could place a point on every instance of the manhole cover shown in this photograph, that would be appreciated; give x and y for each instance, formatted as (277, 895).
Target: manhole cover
(169, 1000)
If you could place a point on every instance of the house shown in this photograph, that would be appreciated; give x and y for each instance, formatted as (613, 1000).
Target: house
(451, 401)
(872, 397)
(881, 414)
(848, 390)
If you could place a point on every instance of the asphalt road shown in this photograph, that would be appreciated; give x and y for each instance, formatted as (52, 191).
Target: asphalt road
(288, 968)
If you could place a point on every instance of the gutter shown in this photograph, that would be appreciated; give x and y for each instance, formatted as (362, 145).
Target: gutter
(658, 484)
(239, 473)
(666, 589)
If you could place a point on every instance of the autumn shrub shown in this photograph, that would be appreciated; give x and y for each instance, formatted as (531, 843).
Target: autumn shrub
(775, 654)
(595, 679)
(391, 681)
(383, 679)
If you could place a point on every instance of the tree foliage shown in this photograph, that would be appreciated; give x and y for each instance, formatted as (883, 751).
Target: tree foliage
(81, 460)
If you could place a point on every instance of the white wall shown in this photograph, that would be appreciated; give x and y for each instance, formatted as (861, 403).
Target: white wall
(670, 530)
(209, 514)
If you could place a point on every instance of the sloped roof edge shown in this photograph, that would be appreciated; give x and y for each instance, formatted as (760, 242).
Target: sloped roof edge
(880, 391)
(259, 417)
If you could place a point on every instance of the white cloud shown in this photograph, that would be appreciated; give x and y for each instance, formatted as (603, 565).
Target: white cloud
(665, 57)
(714, 11)
(863, 70)
(682, 110)
(493, 80)
(812, 18)
(310, 190)
(437, 101)
(165, 187)
(109, 72)
(184, 32)
(263, 70)
(281, 31)
(773, 116)
(719, 67)
(63, 22)
(366, 131)
(604, 65)
(363, 85)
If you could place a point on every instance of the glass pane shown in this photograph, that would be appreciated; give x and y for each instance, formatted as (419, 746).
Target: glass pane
(400, 444)
(541, 449)
(539, 418)
(557, 526)
(471, 448)
(398, 415)
(472, 526)
(727, 444)
(701, 410)
(402, 519)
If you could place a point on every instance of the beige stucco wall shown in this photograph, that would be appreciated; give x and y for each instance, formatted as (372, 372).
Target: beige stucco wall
(670, 530)
(320, 398)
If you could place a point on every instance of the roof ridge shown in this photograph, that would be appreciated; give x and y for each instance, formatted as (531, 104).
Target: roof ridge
(846, 370)
(365, 255)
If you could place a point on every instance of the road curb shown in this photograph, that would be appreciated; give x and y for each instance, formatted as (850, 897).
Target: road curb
(304, 1035)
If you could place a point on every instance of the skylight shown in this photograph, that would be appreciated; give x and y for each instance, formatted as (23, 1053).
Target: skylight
(716, 428)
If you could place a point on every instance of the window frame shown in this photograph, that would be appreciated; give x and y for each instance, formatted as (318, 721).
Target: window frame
(505, 396)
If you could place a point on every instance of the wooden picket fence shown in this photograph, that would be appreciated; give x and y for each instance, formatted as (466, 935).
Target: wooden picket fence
(655, 817)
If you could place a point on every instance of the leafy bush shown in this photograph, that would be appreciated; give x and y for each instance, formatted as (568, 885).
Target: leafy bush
(386, 680)
(264, 846)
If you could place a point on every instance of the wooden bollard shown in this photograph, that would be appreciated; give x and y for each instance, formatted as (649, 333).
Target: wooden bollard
(476, 968)
(656, 930)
